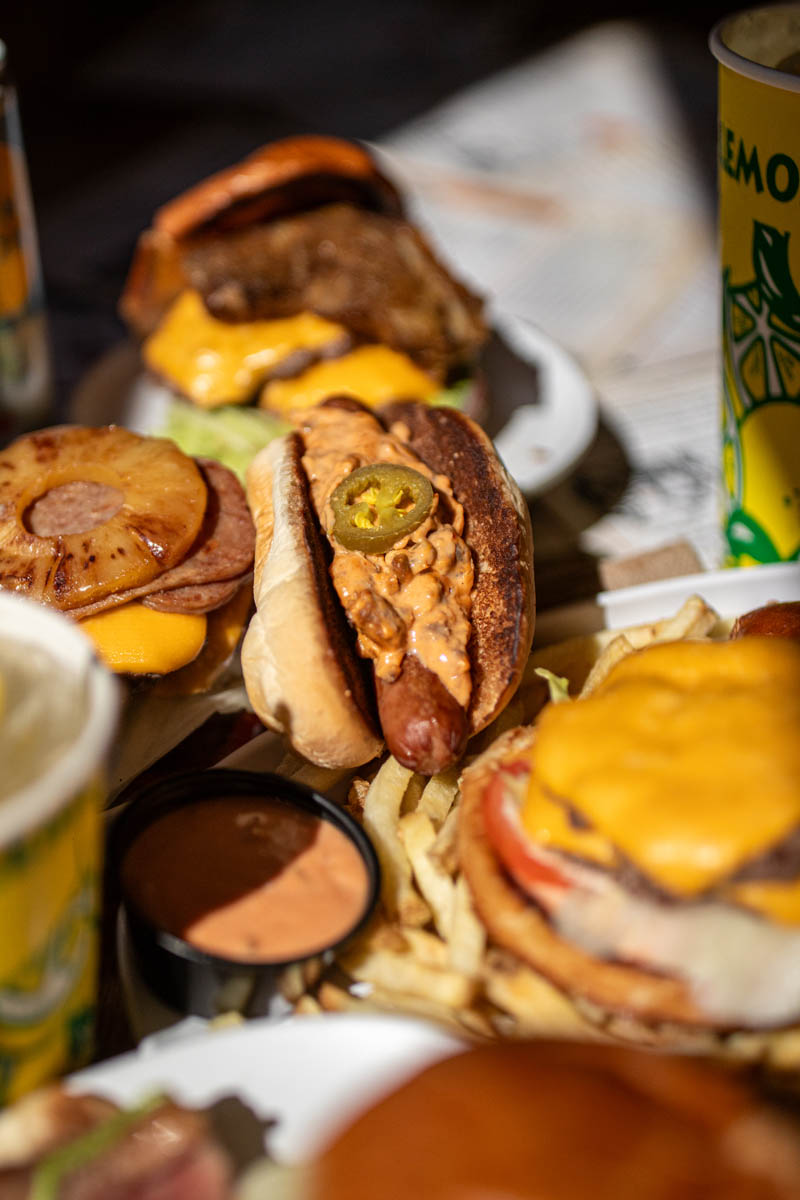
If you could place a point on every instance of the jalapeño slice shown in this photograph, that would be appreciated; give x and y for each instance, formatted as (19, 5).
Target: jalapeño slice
(377, 505)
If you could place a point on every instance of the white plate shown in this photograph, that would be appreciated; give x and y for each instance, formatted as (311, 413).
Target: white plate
(540, 434)
(310, 1074)
(731, 592)
(542, 416)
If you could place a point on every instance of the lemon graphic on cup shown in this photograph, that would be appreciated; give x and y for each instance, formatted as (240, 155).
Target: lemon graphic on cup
(761, 324)
(765, 528)
(761, 405)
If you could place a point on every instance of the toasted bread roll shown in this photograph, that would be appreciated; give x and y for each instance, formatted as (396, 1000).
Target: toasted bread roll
(772, 620)
(563, 1122)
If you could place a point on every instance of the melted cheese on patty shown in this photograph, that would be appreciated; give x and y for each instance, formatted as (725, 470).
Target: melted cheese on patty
(136, 640)
(222, 362)
(372, 374)
(686, 759)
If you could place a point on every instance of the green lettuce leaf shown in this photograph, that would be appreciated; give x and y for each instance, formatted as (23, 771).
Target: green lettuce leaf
(453, 397)
(558, 685)
(231, 433)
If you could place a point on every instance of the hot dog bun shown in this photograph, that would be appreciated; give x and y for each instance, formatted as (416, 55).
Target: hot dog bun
(302, 676)
(299, 660)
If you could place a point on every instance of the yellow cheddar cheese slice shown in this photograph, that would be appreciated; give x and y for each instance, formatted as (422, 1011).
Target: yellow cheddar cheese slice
(777, 899)
(547, 823)
(136, 640)
(372, 374)
(686, 758)
(225, 628)
(220, 362)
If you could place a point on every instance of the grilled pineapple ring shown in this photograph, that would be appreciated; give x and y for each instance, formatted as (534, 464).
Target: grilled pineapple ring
(163, 499)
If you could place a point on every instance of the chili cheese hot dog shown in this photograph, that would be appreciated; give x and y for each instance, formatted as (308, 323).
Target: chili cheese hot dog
(395, 542)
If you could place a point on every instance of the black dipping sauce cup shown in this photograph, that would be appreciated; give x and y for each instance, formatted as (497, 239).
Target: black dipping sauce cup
(189, 979)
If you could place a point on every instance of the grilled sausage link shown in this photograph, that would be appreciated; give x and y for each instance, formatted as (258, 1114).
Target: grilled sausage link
(773, 620)
(424, 727)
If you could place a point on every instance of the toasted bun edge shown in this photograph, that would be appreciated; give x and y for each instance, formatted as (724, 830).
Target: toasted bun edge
(273, 167)
(498, 532)
(302, 677)
(561, 1120)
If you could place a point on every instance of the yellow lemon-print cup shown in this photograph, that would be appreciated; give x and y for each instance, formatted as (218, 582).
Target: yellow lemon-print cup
(58, 713)
(759, 218)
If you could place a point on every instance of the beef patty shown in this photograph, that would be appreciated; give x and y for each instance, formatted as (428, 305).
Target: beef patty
(372, 273)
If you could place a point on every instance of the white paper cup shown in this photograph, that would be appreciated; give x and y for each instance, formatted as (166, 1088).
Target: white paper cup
(50, 864)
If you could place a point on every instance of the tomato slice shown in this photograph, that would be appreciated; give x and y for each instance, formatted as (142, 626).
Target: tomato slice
(508, 838)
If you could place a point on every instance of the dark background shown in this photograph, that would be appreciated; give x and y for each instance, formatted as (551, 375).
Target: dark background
(124, 107)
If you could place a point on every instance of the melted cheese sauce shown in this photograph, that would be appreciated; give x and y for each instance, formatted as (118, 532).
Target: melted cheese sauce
(415, 598)
(220, 362)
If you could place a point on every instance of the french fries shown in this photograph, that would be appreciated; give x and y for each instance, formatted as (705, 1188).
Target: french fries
(418, 837)
(426, 951)
(591, 654)
(380, 817)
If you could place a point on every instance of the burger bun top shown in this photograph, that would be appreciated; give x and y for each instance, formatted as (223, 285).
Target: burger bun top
(563, 1122)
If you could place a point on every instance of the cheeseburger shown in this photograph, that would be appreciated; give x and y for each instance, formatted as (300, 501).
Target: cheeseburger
(295, 275)
(149, 550)
(640, 847)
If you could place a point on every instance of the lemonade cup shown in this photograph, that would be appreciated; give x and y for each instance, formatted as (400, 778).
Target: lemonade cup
(759, 219)
(50, 847)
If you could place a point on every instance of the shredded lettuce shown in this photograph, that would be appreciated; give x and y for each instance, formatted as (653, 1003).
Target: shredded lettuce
(231, 433)
(558, 684)
(453, 397)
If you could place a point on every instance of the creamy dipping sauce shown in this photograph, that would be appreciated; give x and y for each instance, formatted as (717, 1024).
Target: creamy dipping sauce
(249, 879)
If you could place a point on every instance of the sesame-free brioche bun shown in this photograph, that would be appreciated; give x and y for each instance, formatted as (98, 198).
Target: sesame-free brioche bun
(556, 1121)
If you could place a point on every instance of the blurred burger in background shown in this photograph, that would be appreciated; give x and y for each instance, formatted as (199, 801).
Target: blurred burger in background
(293, 276)
(550, 1121)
